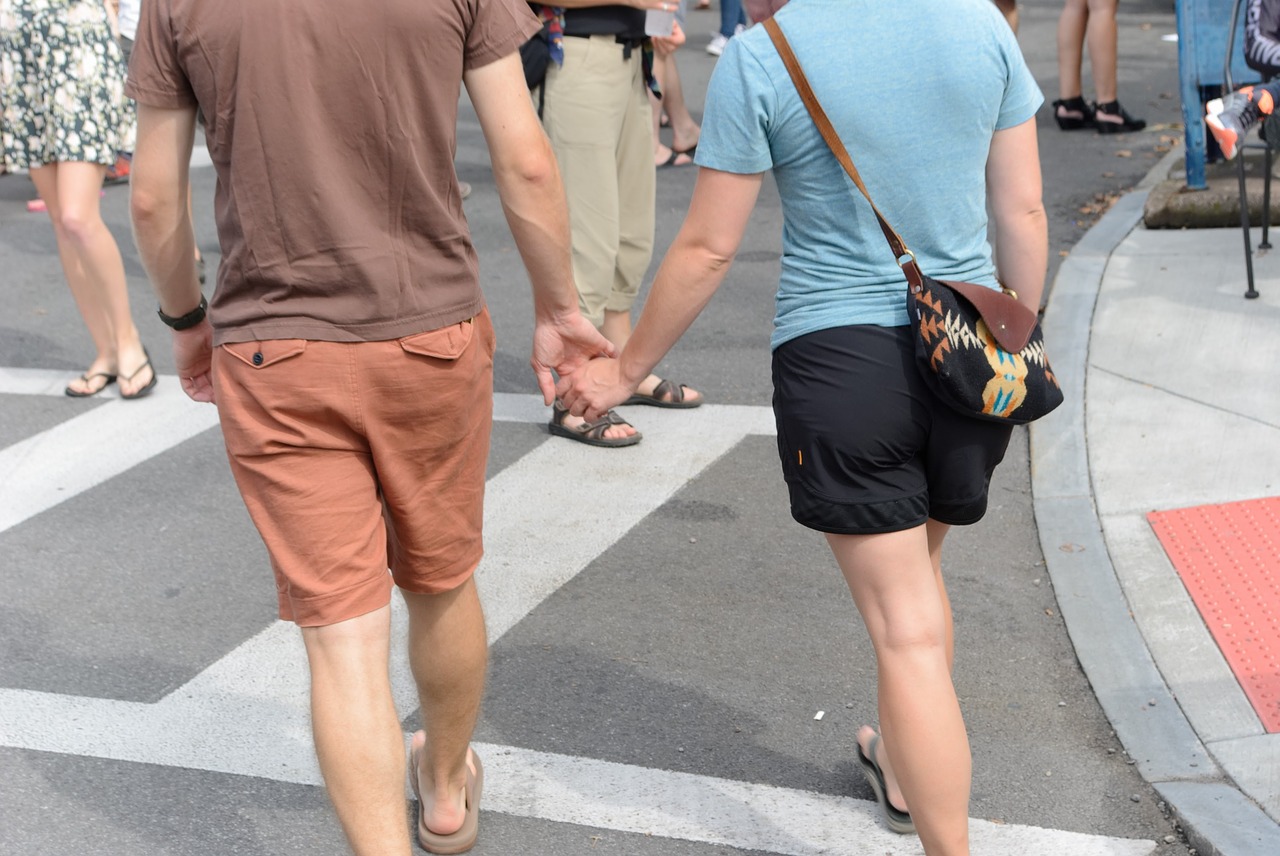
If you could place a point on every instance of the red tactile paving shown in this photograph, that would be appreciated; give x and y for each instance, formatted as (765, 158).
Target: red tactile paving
(1228, 557)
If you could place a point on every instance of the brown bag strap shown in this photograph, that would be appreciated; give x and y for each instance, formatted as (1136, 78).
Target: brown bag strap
(896, 244)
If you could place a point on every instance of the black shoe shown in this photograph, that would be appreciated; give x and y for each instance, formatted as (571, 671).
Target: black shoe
(1073, 114)
(1112, 126)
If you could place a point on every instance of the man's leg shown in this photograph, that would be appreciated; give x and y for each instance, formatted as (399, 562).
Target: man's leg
(357, 733)
(448, 651)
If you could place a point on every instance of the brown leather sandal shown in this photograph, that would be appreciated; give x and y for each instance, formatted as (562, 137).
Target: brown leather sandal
(591, 433)
(665, 394)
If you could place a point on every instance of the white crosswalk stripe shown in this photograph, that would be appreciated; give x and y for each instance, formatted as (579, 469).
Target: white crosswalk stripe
(216, 721)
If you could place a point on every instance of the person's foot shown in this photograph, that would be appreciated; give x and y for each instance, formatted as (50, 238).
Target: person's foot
(100, 375)
(666, 156)
(866, 737)
(1111, 118)
(685, 140)
(118, 173)
(1072, 114)
(656, 391)
(718, 42)
(1230, 117)
(442, 818)
(611, 430)
(136, 375)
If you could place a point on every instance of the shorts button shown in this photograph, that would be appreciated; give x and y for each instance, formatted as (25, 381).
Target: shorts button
(257, 358)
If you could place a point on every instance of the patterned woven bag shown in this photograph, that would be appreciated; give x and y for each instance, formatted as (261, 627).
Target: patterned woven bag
(979, 349)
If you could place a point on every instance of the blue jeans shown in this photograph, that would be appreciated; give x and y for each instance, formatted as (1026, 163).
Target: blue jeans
(731, 15)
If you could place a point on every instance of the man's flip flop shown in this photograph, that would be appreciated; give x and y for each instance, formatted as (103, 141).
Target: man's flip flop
(591, 433)
(665, 394)
(899, 821)
(465, 838)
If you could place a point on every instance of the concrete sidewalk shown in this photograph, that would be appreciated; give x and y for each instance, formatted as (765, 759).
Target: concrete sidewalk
(1172, 383)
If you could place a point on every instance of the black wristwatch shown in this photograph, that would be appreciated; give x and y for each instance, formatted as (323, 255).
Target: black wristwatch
(184, 322)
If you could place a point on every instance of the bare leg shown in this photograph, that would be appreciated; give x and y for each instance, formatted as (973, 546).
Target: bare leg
(94, 269)
(357, 733)
(1101, 35)
(1071, 29)
(664, 73)
(449, 652)
(935, 532)
(892, 579)
(684, 130)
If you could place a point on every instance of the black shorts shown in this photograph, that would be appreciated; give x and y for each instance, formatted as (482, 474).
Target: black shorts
(866, 447)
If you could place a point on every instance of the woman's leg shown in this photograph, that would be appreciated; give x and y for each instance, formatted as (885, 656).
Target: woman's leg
(1101, 37)
(684, 130)
(895, 583)
(1072, 24)
(664, 72)
(94, 315)
(94, 269)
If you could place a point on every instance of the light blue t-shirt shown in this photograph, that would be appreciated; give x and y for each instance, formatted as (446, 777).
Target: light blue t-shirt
(915, 90)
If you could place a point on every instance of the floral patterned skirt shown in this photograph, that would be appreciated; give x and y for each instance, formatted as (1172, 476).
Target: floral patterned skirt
(61, 84)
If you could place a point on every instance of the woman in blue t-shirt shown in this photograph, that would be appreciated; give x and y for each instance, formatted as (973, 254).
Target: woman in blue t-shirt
(871, 458)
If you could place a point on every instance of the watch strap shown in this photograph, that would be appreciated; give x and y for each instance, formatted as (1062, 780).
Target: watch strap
(191, 319)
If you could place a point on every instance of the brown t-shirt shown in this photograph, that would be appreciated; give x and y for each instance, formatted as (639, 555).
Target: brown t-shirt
(332, 128)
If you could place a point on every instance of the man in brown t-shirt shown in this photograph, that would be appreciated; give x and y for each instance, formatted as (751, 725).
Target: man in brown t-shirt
(347, 344)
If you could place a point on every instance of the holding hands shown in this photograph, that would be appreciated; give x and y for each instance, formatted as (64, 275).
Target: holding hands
(564, 344)
(596, 388)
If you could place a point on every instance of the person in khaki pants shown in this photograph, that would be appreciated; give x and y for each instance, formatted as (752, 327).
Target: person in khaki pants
(597, 115)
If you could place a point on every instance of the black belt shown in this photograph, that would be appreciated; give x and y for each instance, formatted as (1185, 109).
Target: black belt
(629, 43)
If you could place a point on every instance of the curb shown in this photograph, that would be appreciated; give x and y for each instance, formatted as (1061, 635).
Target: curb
(1216, 817)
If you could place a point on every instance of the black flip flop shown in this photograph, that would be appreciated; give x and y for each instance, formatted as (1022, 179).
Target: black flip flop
(899, 821)
(151, 384)
(88, 377)
(671, 161)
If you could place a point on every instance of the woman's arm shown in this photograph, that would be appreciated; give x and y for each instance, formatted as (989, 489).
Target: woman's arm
(691, 271)
(1021, 227)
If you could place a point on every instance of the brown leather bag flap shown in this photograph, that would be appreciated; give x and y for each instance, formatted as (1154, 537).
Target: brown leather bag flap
(1010, 323)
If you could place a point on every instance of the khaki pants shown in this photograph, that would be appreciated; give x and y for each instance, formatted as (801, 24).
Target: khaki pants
(598, 118)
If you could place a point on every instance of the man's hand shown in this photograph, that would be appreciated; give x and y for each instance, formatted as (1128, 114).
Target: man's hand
(193, 355)
(594, 389)
(563, 345)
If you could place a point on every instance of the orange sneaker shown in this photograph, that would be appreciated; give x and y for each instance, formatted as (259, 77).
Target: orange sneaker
(118, 173)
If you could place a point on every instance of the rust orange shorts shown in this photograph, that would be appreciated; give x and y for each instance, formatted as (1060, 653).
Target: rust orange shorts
(358, 457)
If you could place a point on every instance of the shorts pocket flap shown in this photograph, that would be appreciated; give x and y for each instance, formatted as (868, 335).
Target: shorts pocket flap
(446, 343)
(262, 354)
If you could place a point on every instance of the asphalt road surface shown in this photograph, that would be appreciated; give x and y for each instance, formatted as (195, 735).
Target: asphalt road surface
(664, 636)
